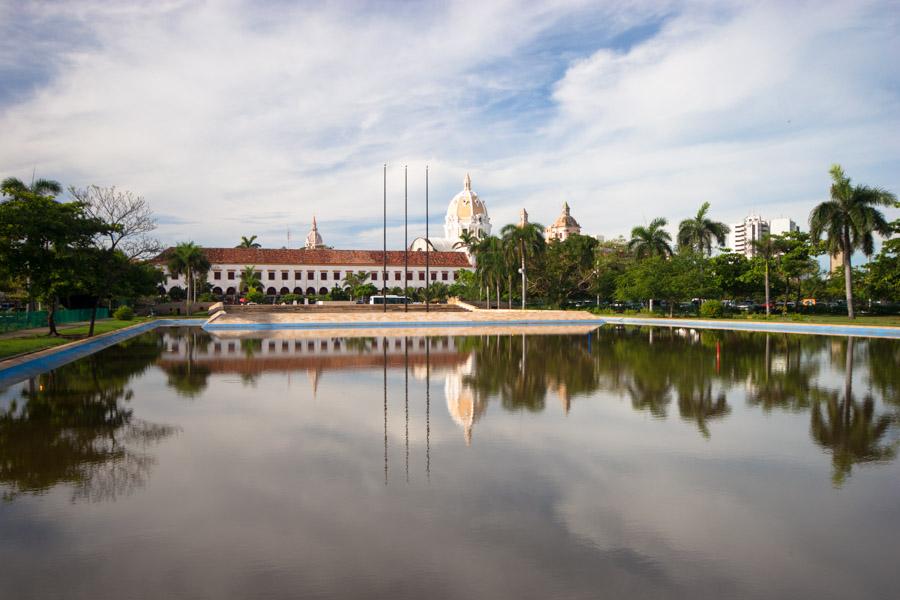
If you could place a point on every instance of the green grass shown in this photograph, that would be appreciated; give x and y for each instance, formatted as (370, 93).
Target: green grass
(873, 321)
(33, 343)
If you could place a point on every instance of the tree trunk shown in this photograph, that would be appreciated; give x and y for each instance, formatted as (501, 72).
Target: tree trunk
(768, 307)
(671, 308)
(498, 294)
(190, 286)
(93, 317)
(510, 290)
(848, 274)
(651, 306)
(522, 248)
(51, 318)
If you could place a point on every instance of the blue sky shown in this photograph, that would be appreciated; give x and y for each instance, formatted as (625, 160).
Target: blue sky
(238, 118)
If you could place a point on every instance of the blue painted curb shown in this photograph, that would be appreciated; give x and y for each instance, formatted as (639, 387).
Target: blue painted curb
(391, 324)
(41, 364)
(807, 329)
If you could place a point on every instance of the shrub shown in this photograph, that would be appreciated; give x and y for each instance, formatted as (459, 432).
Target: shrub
(206, 297)
(712, 309)
(290, 298)
(255, 296)
(177, 294)
(123, 313)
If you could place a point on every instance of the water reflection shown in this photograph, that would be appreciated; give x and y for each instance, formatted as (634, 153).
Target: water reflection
(73, 427)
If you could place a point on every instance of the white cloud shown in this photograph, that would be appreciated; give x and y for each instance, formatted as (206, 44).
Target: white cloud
(241, 121)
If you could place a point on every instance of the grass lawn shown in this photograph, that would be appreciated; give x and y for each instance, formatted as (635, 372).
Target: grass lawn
(33, 343)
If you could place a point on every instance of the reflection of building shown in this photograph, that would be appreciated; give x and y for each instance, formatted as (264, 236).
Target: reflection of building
(466, 214)
(464, 404)
(564, 226)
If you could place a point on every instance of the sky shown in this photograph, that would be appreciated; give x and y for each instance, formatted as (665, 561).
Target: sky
(248, 118)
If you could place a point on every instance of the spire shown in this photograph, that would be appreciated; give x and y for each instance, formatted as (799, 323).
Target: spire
(566, 208)
(523, 218)
(468, 182)
(314, 223)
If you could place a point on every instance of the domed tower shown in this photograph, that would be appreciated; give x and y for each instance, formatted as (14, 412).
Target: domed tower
(564, 226)
(313, 239)
(467, 212)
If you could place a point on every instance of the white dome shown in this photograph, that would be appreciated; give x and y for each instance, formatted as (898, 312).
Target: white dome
(466, 212)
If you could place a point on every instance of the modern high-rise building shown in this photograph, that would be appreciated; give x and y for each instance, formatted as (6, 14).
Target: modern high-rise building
(743, 234)
(782, 225)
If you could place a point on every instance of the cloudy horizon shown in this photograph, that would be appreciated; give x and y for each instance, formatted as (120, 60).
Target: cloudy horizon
(240, 118)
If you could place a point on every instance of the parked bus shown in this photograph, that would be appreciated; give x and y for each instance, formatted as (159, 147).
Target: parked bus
(389, 299)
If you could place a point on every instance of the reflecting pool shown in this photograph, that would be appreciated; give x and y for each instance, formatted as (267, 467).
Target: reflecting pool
(613, 462)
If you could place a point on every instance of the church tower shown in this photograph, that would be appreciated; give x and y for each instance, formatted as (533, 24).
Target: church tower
(466, 213)
(313, 239)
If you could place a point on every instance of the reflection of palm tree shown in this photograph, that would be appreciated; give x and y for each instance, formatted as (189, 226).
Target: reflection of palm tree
(649, 394)
(188, 378)
(696, 403)
(849, 429)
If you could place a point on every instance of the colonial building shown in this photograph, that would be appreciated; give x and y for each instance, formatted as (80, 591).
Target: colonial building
(466, 214)
(564, 226)
(317, 271)
(313, 239)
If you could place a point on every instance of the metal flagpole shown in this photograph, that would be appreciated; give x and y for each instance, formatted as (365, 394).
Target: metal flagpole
(384, 250)
(405, 242)
(427, 244)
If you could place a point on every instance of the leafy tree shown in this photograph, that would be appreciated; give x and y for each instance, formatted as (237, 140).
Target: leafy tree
(700, 232)
(849, 221)
(248, 242)
(357, 283)
(883, 274)
(465, 286)
(569, 268)
(528, 241)
(728, 272)
(651, 240)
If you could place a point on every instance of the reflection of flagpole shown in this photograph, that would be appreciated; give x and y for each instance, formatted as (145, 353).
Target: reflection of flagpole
(406, 400)
(405, 243)
(384, 354)
(427, 410)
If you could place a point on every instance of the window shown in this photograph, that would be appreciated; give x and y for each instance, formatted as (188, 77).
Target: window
(310, 275)
(271, 275)
(337, 275)
(421, 275)
(323, 275)
(284, 275)
(217, 275)
(443, 275)
(231, 275)
(374, 275)
(397, 275)
(409, 276)
(298, 275)
(433, 276)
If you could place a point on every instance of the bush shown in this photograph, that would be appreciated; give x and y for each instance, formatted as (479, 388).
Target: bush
(123, 313)
(291, 298)
(177, 294)
(712, 309)
(206, 297)
(255, 296)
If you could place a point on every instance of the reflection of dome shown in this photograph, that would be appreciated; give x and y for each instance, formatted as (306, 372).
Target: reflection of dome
(463, 404)
(313, 239)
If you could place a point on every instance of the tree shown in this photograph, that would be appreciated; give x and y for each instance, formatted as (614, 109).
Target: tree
(883, 273)
(249, 242)
(357, 283)
(490, 265)
(127, 216)
(652, 240)
(42, 241)
(528, 241)
(727, 272)
(188, 258)
(569, 268)
(848, 221)
(12, 186)
(467, 240)
(767, 249)
(250, 279)
(700, 232)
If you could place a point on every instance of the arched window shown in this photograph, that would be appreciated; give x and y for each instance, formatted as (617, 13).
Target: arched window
(217, 291)
(323, 291)
(284, 291)
(230, 291)
(310, 291)
(298, 291)
(270, 291)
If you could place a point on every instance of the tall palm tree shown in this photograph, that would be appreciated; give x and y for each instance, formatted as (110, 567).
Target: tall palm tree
(250, 279)
(189, 259)
(528, 240)
(767, 248)
(491, 265)
(848, 220)
(651, 240)
(249, 242)
(356, 282)
(467, 240)
(39, 187)
(700, 232)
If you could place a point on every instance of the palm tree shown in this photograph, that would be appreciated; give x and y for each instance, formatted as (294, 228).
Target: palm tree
(491, 264)
(467, 240)
(250, 279)
(848, 221)
(39, 187)
(248, 242)
(528, 240)
(356, 282)
(698, 233)
(652, 240)
(188, 258)
(767, 248)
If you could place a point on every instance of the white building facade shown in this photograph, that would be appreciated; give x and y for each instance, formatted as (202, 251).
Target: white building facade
(466, 214)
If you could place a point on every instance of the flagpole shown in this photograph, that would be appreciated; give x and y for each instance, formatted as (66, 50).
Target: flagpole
(427, 244)
(405, 242)
(384, 249)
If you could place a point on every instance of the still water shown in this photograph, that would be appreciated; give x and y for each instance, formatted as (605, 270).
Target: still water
(616, 463)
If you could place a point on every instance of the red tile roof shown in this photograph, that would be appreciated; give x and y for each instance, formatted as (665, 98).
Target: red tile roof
(362, 258)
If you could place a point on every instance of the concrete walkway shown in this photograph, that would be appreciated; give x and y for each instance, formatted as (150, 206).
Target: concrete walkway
(766, 326)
